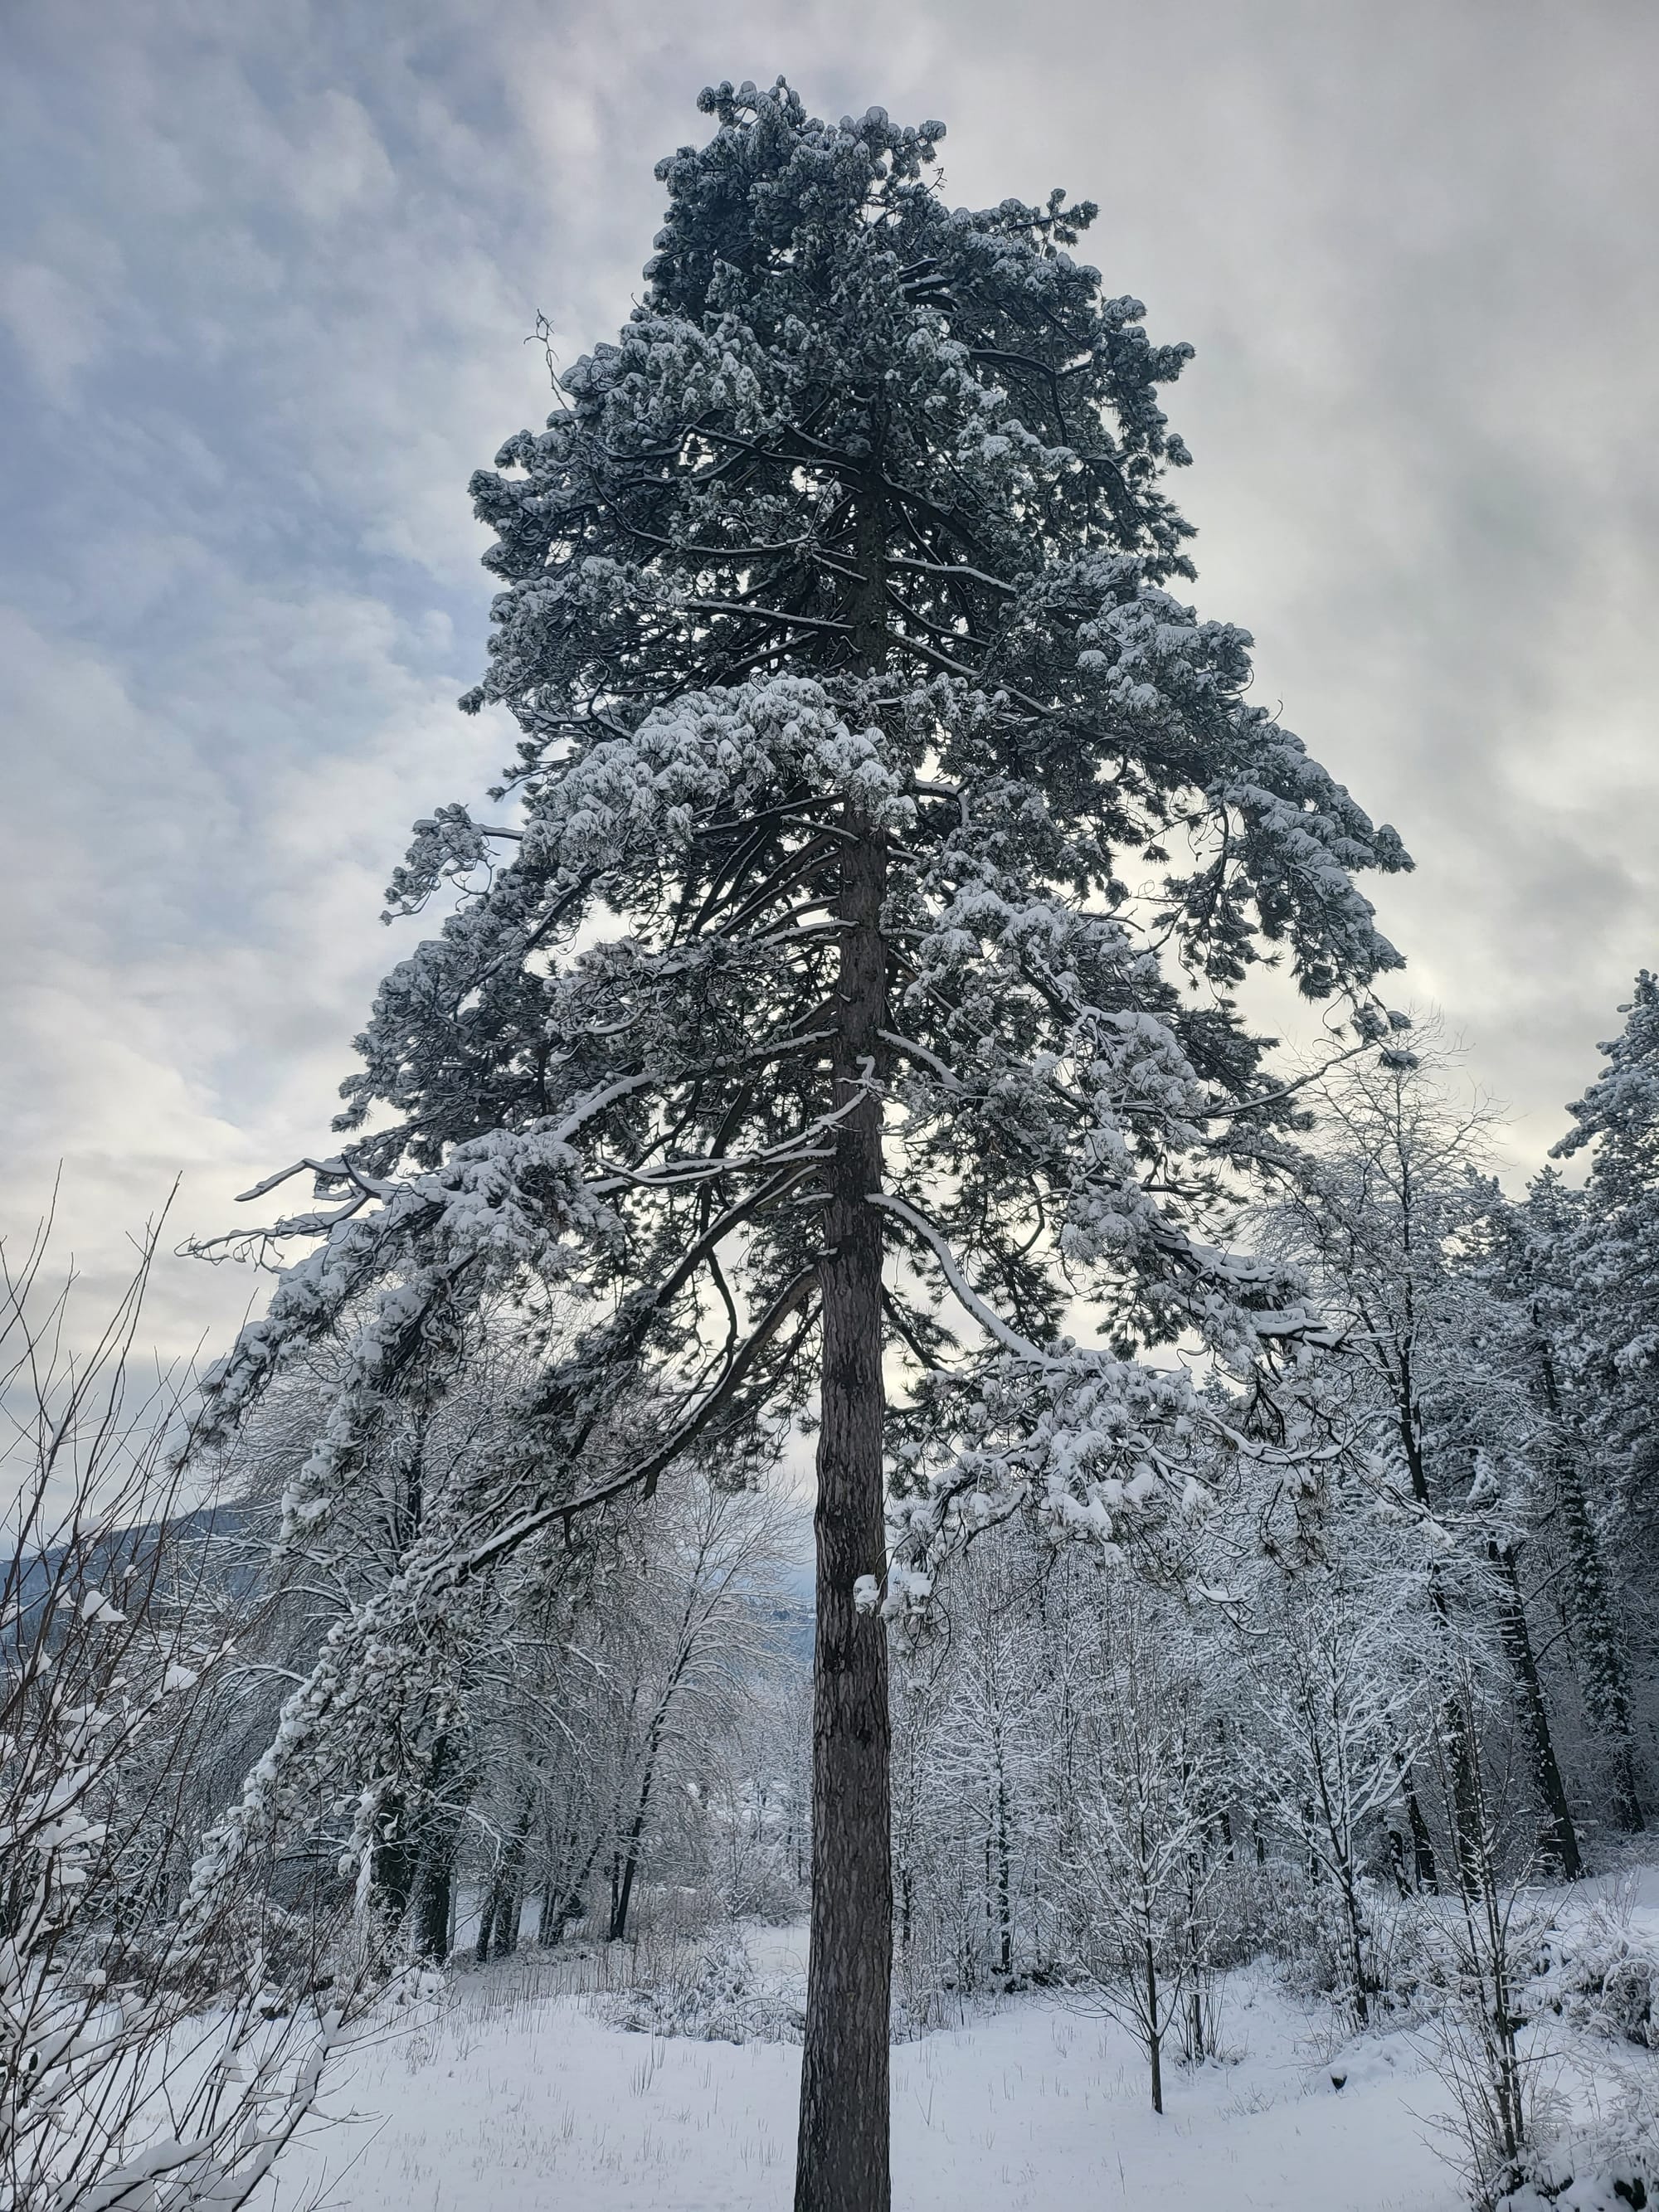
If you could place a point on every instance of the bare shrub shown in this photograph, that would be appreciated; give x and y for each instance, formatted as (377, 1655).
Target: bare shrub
(147, 2059)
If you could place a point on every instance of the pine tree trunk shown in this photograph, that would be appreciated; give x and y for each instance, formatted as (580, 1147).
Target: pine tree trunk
(436, 1897)
(440, 1845)
(1606, 1693)
(1424, 1872)
(842, 2156)
(1397, 1861)
(1607, 1690)
(508, 1914)
(1465, 1820)
(1423, 1860)
(843, 2161)
(396, 1857)
(1468, 1834)
(1559, 1839)
(486, 1922)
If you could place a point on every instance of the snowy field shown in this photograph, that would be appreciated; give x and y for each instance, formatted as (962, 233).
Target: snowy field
(514, 2101)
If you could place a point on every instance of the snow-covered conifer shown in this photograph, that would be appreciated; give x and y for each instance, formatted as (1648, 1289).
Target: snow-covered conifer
(1600, 1244)
(848, 969)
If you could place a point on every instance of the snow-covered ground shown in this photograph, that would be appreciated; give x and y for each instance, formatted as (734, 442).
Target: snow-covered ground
(511, 2099)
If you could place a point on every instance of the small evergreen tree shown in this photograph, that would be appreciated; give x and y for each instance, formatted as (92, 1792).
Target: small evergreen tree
(889, 844)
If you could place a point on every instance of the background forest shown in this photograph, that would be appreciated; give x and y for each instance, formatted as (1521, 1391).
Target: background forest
(1363, 1726)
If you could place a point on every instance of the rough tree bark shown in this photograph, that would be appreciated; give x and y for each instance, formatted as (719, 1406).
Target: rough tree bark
(842, 2164)
(1559, 1837)
(1606, 1688)
(434, 1888)
(1464, 1807)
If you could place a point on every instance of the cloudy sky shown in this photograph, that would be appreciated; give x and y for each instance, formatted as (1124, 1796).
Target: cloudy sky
(266, 277)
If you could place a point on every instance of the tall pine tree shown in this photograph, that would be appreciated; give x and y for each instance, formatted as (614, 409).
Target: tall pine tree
(1598, 1309)
(850, 993)
(1608, 1243)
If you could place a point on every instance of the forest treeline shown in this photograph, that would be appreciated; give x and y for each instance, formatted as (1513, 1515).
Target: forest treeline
(1339, 1717)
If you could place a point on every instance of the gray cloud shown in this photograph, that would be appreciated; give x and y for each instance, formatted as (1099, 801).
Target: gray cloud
(263, 286)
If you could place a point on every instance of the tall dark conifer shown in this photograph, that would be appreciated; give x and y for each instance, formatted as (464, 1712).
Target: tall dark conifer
(1596, 1292)
(1603, 1255)
(888, 843)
